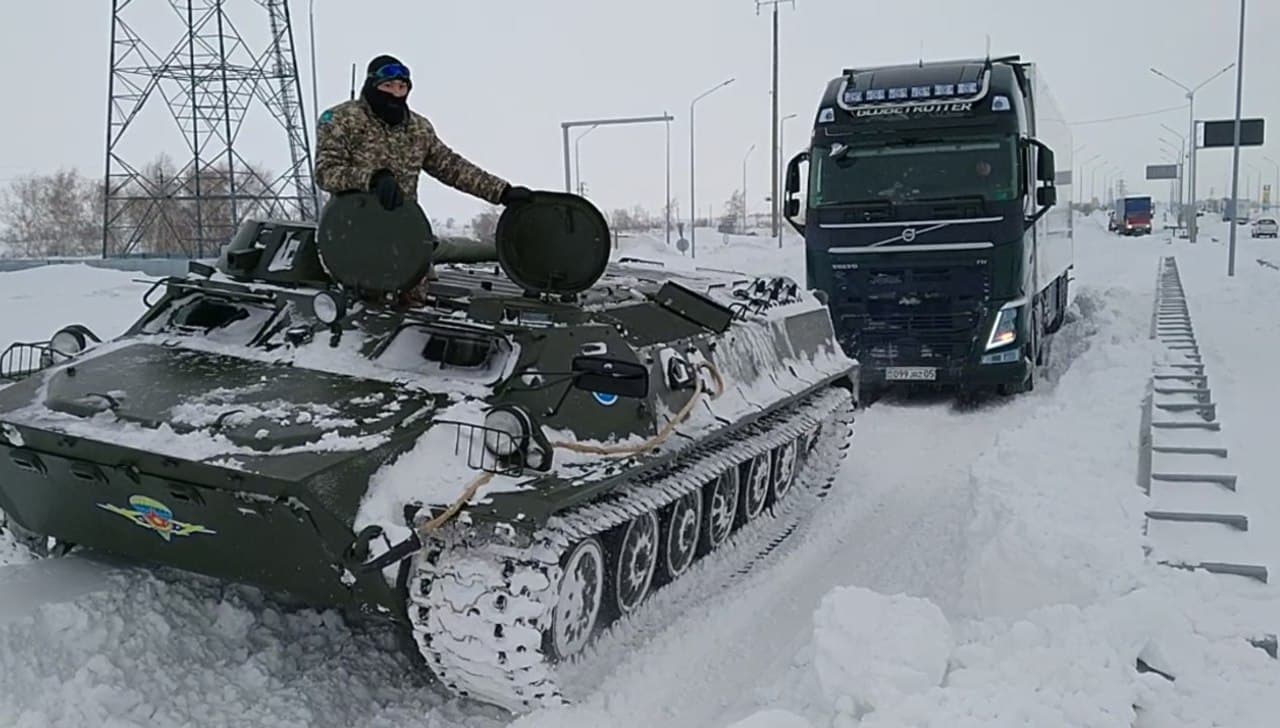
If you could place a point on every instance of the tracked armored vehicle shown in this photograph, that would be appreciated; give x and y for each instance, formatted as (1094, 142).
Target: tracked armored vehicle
(503, 467)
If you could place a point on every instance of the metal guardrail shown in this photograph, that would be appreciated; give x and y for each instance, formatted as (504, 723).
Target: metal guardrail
(1181, 458)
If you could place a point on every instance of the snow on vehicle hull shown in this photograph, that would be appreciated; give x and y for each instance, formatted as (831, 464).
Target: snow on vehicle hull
(329, 439)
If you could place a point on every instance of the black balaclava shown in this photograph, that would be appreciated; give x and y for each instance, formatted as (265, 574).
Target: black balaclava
(387, 107)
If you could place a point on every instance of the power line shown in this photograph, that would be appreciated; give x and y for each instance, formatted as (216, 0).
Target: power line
(1127, 116)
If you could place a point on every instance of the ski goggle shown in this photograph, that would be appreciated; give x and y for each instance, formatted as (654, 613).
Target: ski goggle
(390, 72)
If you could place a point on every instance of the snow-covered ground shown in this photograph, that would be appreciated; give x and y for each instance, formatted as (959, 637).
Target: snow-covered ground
(973, 567)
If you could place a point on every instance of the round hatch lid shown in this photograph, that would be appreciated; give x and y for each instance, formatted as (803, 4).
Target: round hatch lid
(556, 243)
(373, 250)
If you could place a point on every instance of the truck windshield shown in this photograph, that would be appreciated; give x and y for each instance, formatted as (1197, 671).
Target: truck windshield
(904, 170)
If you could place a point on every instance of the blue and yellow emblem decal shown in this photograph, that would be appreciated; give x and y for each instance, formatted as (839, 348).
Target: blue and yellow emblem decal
(155, 516)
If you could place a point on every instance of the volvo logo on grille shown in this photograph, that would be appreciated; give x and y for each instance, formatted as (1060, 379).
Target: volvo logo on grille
(908, 235)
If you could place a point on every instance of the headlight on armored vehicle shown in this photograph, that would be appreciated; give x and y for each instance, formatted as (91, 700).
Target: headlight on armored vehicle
(506, 431)
(68, 343)
(327, 307)
(1005, 329)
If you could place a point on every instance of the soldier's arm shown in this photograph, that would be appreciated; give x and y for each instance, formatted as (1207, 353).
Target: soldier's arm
(456, 171)
(338, 169)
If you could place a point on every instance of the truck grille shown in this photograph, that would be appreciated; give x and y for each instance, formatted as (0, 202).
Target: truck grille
(926, 315)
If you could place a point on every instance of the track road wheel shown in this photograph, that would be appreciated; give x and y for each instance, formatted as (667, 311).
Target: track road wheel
(755, 491)
(636, 560)
(577, 609)
(720, 508)
(680, 536)
(785, 459)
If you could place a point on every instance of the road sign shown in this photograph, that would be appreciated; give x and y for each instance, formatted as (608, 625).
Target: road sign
(1223, 133)
(682, 245)
(1162, 171)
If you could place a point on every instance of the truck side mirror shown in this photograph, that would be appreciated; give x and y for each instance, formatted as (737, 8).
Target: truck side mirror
(791, 205)
(1047, 196)
(1045, 169)
(793, 172)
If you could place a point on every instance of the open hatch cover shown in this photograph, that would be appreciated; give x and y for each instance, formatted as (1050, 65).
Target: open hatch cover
(372, 250)
(556, 243)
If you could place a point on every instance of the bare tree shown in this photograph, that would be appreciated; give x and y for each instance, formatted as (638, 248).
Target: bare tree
(55, 214)
(484, 226)
(621, 220)
(733, 212)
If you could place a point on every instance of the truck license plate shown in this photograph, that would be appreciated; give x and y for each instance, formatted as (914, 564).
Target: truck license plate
(911, 374)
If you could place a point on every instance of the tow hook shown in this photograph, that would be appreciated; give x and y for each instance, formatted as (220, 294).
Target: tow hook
(395, 554)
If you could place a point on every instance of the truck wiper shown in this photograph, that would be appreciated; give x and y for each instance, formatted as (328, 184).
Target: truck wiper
(864, 210)
(877, 204)
(979, 199)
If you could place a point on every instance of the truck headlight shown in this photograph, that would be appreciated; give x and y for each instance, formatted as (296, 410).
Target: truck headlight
(1005, 329)
(506, 431)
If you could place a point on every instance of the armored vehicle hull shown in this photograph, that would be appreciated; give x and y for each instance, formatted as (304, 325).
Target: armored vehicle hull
(503, 470)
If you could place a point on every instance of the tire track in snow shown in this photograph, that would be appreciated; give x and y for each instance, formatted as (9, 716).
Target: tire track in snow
(896, 522)
(881, 527)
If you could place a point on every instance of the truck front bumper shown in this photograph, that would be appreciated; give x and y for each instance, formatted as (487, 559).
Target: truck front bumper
(969, 376)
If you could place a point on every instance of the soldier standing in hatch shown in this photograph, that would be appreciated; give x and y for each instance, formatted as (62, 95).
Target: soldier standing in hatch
(376, 143)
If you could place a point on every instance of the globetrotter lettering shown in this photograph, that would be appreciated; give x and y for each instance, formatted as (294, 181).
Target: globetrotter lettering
(958, 108)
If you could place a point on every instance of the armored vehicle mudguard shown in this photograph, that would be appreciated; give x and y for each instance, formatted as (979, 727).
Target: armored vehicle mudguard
(503, 470)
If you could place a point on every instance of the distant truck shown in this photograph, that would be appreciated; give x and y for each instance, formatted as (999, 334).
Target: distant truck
(931, 220)
(1132, 215)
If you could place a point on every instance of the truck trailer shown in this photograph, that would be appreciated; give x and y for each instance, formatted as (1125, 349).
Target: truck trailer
(931, 220)
(1132, 215)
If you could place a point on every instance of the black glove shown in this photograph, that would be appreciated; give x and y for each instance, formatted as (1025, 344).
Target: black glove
(384, 185)
(515, 195)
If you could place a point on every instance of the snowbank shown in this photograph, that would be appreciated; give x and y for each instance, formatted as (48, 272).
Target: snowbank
(1058, 603)
(1058, 515)
(773, 719)
(873, 649)
(39, 301)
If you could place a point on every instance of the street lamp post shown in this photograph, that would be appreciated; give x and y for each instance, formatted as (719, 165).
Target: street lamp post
(1175, 188)
(1083, 166)
(1177, 150)
(1235, 152)
(693, 207)
(1248, 188)
(1182, 168)
(1093, 176)
(1276, 187)
(666, 204)
(779, 186)
(1191, 166)
(1075, 185)
(775, 210)
(568, 158)
(577, 169)
(744, 187)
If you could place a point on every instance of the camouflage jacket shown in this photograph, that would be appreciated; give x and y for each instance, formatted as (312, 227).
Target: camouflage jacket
(352, 143)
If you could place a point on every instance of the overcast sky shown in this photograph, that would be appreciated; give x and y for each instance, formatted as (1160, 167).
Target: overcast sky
(498, 76)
